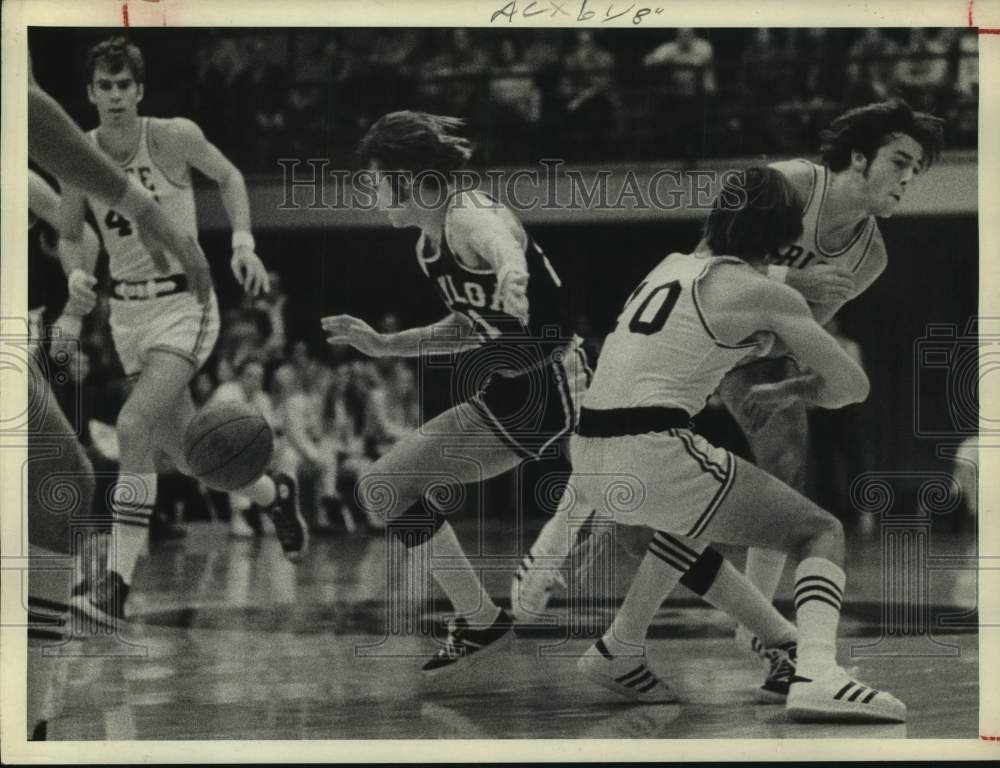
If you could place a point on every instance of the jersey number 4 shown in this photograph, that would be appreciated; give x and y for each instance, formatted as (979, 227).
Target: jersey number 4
(651, 315)
(116, 221)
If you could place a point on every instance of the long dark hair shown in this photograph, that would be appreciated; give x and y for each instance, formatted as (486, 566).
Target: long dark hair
(867, 128)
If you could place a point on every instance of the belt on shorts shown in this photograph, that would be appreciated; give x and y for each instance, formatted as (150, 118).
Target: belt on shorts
(154, 288)
(619, 422)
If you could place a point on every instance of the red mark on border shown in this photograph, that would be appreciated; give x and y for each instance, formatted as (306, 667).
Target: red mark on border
(972, 23)
(989, 738)
(125, 14)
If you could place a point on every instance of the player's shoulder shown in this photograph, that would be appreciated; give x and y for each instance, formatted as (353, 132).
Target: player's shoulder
(173, 132)
(801, 174)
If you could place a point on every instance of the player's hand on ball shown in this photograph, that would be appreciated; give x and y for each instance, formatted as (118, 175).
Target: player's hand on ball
(822, 283)
(249, 271)
(345, 329)
(764, 400)
(514, 294)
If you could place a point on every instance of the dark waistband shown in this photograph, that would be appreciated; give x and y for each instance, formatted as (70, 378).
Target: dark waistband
(619, 422)
(154, 288)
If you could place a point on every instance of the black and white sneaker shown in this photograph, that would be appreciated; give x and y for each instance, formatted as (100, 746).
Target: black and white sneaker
(464, 642)
(289, 526)
(781, 660)
(838, 696)
(628, 676)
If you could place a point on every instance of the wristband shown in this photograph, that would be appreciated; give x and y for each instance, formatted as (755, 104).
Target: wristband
(242, 238)
(134, 202)
(778, 273)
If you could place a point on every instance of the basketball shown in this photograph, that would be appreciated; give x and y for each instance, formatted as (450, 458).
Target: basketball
(228, 445)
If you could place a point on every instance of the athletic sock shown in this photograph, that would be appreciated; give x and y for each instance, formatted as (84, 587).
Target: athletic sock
(457, 578)
(667, 560)
(819, 595)
(732, 592)
(132, 504)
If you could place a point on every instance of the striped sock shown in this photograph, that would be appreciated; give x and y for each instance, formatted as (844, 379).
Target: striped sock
(668, 559)
(132, 506)
(819, 596)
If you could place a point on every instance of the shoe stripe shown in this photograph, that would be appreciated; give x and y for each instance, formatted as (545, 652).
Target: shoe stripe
(823, 581)
(603, 649)
(637, 671)
(664, 538)
(48, 619)
(870, 696)
(648, 686)
(861, 689)
(647, 675)
(843, 690)
(36, 633)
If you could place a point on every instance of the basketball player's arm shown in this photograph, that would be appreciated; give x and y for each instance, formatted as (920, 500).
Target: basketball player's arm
(450, 334)
(185, 139)
(835, 378)
(480, 233)
(738, 307)
(871, 267)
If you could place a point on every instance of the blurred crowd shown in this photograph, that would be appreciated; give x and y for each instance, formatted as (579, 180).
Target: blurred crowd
(581, 94)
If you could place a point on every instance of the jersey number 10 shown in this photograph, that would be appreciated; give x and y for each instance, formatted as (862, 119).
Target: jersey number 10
(652, 313)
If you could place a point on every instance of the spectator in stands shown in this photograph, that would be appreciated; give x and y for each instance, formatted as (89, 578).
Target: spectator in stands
(964, 117)
(815, 85)
(764, 82)
(921, 75)
(682, 108)
(222, 114)
(263, 90)
(871, 61)
(342, 446)
(453, 79)
(591, 106)
(516, 103)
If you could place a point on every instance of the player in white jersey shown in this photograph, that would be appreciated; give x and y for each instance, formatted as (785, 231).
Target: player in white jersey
(870, 157)
(693, 319)
(161, 333)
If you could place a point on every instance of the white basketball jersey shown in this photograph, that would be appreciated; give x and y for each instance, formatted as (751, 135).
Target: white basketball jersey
(663, 352)
(807, 251)
(129, 258)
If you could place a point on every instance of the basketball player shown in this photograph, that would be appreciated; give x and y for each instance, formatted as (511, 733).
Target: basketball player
(689, 322)
(870, 156)
(58, 145)
(161, 334)
(505, 304)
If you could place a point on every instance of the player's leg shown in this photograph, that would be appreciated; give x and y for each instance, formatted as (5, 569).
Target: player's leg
(60, 488)
(404, 488)
(762, 511)
(780, 448)
(682, 480)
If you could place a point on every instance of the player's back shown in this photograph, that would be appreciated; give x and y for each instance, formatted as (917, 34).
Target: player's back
(663, 351)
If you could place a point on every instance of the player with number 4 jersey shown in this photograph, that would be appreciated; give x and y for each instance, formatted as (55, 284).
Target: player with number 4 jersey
(162, 331)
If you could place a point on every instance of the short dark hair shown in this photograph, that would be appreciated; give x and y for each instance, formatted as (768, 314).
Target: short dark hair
(754, 214)
(865, 129)
(115, 54)
(415, 141)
